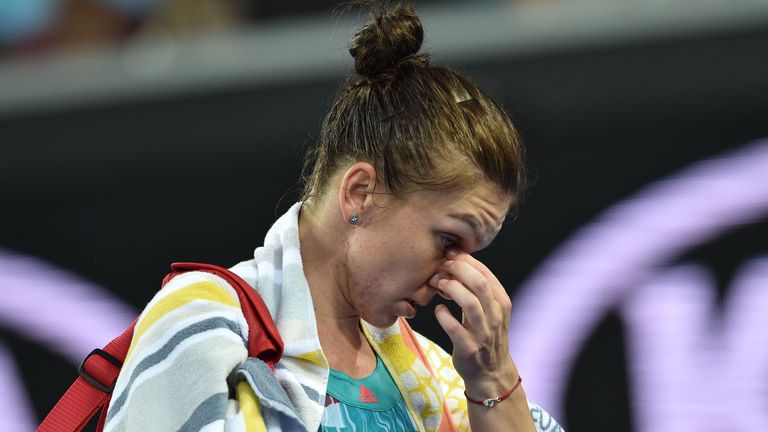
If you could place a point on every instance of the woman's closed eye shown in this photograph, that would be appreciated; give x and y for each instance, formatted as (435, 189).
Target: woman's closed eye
(447, 240)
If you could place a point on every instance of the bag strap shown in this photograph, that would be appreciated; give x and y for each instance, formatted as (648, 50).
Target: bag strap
(89, 393)
(92, 390)
(265, 343)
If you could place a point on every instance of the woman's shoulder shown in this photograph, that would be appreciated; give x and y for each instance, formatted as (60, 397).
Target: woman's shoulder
(194, 285)
(192, 327)
(190, 299)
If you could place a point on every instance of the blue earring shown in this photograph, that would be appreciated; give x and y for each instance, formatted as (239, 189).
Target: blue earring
(354, 219)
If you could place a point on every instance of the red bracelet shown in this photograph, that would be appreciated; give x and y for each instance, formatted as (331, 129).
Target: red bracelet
(493, 401)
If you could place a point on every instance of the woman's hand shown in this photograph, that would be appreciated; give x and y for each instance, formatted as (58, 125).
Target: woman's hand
(480, 341)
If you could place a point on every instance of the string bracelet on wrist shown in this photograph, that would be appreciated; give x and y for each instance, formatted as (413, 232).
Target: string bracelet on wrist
(493, 401)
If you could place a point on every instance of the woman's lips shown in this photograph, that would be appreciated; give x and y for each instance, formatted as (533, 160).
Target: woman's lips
(410, 307)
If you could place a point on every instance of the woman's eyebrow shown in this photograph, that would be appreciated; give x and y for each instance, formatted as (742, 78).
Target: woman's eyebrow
(474, 224)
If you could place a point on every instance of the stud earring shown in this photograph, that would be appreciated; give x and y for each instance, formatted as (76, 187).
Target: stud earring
(354, 219)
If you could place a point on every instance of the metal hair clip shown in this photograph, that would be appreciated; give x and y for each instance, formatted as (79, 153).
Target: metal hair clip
(460, 98)
(463, 96)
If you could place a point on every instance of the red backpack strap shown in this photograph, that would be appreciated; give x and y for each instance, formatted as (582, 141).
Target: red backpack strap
(264, 340)
(92, 390)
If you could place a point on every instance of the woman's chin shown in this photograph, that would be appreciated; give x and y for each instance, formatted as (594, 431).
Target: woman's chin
(381, 321)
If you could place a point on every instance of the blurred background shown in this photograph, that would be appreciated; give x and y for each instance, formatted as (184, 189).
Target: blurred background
(135, 133)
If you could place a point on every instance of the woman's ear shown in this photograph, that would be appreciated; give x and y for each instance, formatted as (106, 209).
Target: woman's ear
(356, 192)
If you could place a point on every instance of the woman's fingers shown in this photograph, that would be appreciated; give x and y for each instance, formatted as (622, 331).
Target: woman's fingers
(474, 317)
(459, 336)
(480, 287)
(480, 339)
(497, 289)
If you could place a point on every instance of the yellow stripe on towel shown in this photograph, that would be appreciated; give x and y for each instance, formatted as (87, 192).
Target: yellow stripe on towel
(251, 408)
(207, 290)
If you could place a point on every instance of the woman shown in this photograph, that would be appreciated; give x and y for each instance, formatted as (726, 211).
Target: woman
(414, 170)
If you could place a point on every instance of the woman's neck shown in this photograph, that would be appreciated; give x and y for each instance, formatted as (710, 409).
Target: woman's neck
(338, 323)
(324, 264)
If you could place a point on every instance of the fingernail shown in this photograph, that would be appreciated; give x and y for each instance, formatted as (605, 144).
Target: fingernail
(452, 253)
(441, 283)
(436, 277)
(449, 262)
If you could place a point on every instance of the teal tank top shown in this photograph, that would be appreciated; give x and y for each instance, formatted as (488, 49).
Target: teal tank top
(372, 403)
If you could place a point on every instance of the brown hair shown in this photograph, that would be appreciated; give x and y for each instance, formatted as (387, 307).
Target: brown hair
(421, 126)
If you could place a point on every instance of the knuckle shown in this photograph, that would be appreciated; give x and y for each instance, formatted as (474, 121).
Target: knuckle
(494, 320)
(506, 305)
(486, 340)
(482, 285)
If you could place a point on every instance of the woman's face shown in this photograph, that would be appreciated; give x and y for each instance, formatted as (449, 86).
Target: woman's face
(395, 252)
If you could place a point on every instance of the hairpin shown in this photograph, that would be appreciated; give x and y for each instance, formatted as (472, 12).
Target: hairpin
(464, 96)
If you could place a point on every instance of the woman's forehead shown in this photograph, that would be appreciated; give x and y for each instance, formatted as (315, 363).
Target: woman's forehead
(481, 203)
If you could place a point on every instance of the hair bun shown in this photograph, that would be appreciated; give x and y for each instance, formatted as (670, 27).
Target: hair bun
(391, 37)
